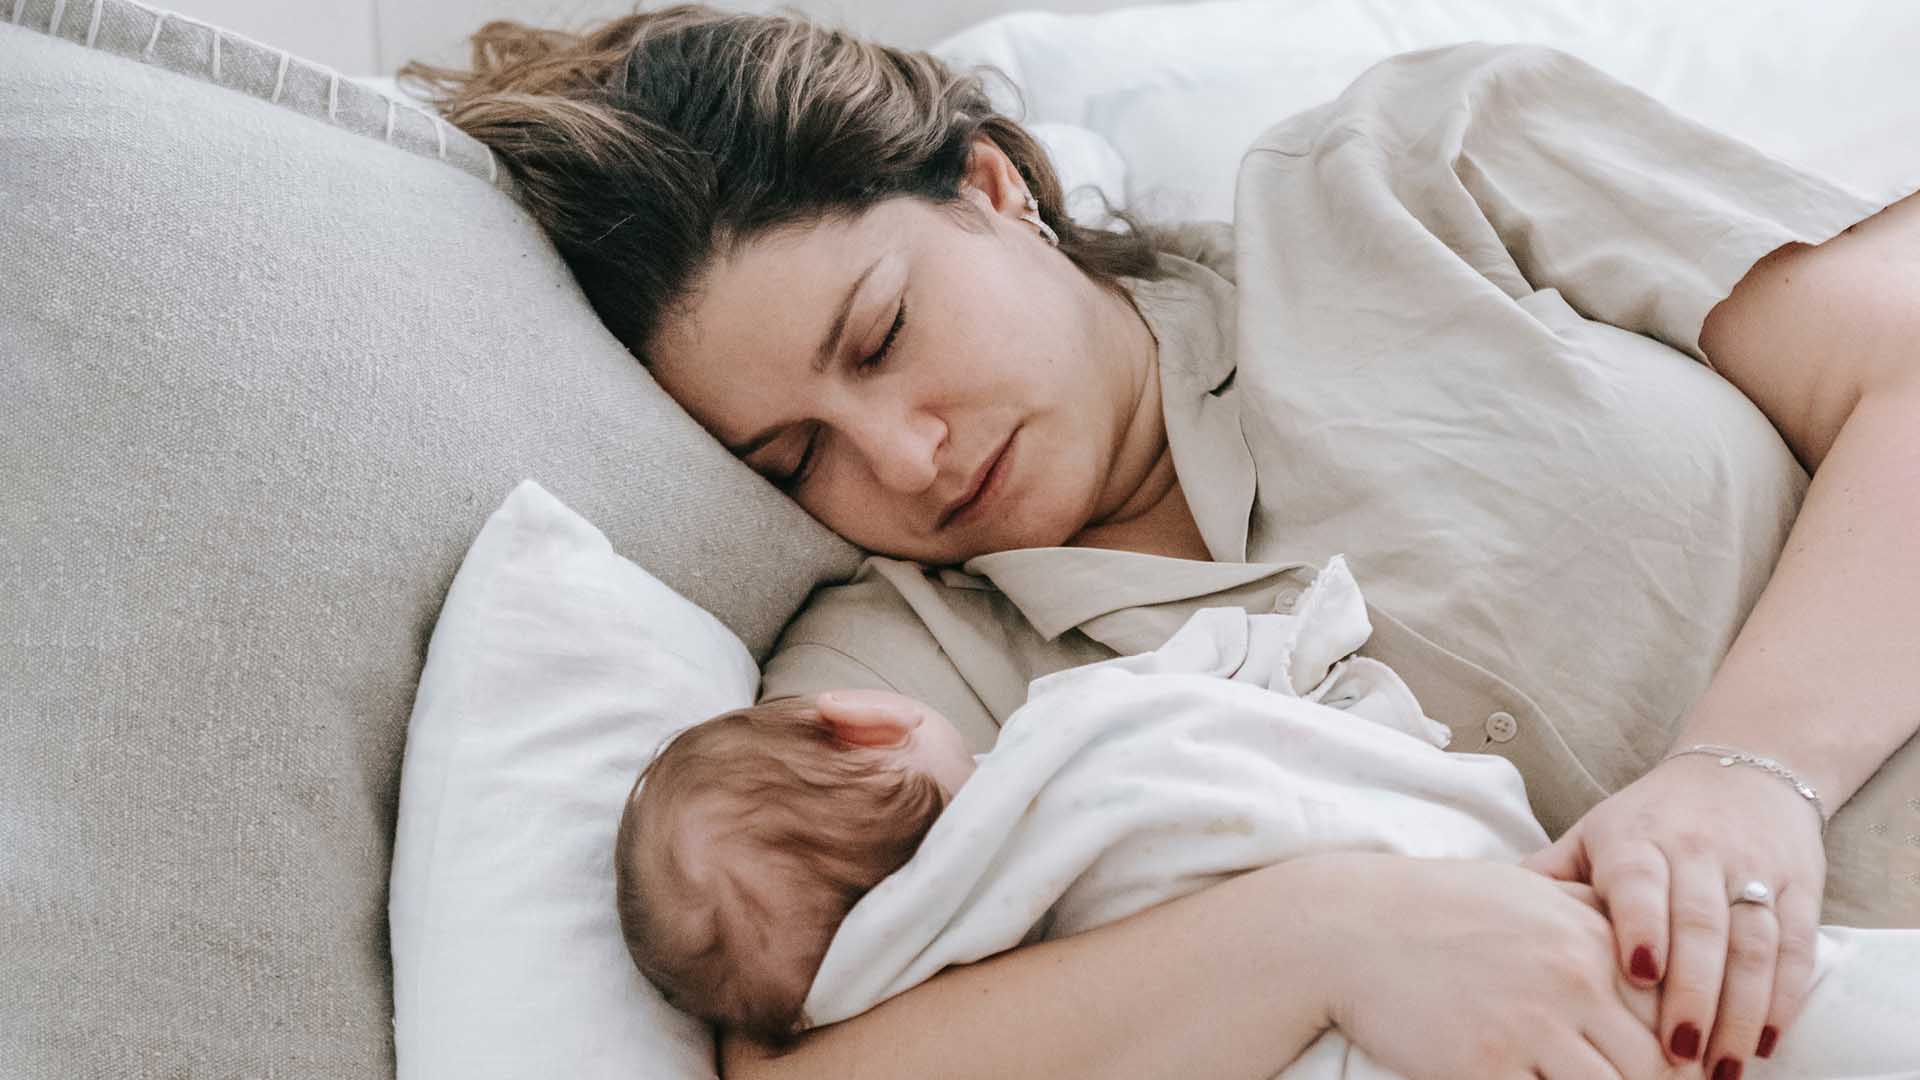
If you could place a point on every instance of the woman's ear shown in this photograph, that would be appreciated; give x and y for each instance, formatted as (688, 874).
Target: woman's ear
(870, 718)
(993, 180)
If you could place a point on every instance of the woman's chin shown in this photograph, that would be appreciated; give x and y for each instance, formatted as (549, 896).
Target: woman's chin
(1012, 536)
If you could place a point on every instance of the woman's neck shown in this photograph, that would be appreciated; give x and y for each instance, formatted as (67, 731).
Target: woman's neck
(1144, 509)
(1156, 521)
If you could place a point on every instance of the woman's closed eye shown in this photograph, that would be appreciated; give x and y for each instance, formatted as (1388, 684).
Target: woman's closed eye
(873, 360)
(793, 478)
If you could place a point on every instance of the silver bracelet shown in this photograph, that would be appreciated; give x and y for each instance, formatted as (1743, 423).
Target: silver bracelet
(1729, 756)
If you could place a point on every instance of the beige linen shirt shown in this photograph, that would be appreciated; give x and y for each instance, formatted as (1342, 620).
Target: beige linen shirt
(1452, 334)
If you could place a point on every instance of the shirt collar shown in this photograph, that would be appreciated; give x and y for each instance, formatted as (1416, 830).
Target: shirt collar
(1057, 589)
(1192, 311)
(1188, 309)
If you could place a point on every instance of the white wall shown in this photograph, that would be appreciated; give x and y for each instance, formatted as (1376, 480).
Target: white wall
(342, 34)
(373, 37)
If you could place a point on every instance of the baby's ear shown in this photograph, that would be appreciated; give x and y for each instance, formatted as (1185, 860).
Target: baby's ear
(873, 718)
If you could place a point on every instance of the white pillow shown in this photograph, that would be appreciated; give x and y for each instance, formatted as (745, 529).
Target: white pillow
(1180, 145)
(1087, 166)
(556, 670)
(1181, 89)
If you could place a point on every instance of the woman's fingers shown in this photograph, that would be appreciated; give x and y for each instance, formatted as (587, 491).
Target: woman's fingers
(1562, 860)
(1584, 893)
(1663, 852)
(1799, 914)
(1579, 1059)
(1753, 949)
(1537, 953)
(1634, 880)
(1697, 959)
(1626, 1039)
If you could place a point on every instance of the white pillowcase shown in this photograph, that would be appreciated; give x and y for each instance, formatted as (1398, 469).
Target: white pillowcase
(1087, 167)
(1180, 90)
(556, 670)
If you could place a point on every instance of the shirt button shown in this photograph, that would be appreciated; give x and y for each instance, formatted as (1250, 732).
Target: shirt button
(1502, 727)
(1285, 600)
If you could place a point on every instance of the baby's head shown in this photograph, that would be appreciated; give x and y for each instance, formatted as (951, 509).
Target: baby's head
(748, 839)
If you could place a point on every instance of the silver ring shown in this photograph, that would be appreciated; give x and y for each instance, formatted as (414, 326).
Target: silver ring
(1753, 892)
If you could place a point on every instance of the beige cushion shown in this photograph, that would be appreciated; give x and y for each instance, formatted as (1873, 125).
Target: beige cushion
(262, 379)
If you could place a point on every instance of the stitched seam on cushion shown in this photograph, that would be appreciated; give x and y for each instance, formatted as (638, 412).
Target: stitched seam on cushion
(467, 160)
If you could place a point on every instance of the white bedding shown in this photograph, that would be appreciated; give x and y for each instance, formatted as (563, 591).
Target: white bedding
(1180, 90)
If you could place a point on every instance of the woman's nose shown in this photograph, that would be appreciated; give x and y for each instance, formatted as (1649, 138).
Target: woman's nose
(901, 448)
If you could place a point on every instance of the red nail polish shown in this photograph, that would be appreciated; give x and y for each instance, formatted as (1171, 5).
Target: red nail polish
(1643, 964)
(1686, 1042)
(1728, 1069)
(1768, 1036)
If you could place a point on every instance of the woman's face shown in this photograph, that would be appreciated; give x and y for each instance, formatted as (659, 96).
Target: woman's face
(928, 387)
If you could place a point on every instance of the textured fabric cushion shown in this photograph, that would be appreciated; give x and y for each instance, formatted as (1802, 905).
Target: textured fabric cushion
(557, 669)
(261, 378)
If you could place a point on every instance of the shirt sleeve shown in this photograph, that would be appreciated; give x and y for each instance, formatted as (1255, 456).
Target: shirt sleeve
(1545, 173)
(864, 635)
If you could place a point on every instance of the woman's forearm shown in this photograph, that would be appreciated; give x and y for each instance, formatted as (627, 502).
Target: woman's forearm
(1823, 340)
(1825, 674)
(1222, 983)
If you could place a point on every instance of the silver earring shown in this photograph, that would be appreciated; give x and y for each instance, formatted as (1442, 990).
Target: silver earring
(1032, 217)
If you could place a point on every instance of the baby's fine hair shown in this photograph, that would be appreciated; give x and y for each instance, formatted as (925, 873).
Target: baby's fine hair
(744, 845)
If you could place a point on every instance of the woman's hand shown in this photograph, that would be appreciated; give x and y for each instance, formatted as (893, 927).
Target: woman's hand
(1471, 970)
(1667, 855)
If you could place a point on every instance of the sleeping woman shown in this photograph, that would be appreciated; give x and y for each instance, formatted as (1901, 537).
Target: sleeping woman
(1488, 319)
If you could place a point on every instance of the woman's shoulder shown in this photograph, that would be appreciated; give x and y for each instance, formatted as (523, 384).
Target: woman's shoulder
(868, 633)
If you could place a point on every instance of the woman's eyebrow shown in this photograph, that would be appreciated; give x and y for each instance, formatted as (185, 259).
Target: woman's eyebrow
(830, 345)
(823, 355)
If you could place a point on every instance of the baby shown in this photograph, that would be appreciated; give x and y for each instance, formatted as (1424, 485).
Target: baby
(792, 864)
(750, 837)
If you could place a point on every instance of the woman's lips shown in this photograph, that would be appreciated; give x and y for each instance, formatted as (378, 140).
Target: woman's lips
(989, 488)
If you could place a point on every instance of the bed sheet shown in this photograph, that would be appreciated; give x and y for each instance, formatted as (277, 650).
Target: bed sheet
(1180, 90)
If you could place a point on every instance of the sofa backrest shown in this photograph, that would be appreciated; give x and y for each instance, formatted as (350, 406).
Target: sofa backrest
(271, 347)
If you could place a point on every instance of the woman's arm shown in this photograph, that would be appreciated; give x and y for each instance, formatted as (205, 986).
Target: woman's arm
(1826, 341)
(1168, 992)
(1235, 980)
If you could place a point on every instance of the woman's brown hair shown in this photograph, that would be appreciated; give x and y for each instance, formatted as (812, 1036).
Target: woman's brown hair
(661, 138)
